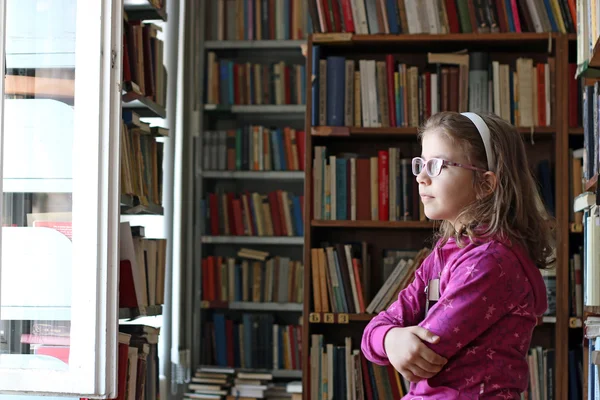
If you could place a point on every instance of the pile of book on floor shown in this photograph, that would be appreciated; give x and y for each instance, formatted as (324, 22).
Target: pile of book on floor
(229, 384)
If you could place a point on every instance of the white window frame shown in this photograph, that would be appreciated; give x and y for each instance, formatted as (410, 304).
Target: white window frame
(92, 370)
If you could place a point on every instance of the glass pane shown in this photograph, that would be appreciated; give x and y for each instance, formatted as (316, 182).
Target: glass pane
(37, 170)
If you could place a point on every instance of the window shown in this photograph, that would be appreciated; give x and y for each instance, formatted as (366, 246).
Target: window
(60, 199)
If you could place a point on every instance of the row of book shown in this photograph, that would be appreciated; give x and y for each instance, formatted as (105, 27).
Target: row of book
(354, 187)
(253, 148)
(137, 354)
(341, 272)
(256, 20)
(141, 159)
(276, 280)
(576, 280)
(144, 73)
(340, 182)
(385, 93)
(229, 82)
(442, 16)
(341, 372)
(213, 382)
(253, 341)
(142, 268)
(541, 366)
(278, 213)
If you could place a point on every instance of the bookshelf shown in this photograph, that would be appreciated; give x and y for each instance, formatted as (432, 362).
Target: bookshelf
(586, 53)
(248, 185)
(547, 141)
(143, 257)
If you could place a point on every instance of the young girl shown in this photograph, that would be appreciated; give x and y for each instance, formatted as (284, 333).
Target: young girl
(472, 342)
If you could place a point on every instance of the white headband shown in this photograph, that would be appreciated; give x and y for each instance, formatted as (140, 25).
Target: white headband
(484, 132)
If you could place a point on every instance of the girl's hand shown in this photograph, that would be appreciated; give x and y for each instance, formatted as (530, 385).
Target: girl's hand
(408, 354)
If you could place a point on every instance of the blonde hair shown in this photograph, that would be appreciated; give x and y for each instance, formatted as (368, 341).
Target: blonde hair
(514, 211)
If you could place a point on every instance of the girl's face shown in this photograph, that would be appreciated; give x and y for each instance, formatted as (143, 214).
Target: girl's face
(445, 195)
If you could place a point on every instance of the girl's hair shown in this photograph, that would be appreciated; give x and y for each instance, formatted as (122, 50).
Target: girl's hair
(514, 211)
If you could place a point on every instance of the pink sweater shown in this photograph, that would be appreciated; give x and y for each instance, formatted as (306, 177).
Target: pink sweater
(490, 297)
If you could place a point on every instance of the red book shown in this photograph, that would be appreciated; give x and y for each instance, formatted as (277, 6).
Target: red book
(515, 13)
(326, 16)
(347, 13)
(452, 16)
(238, 217)
(541, 95)
(127, 297)
(230, 214)
(390, 68)
(274, 206)
(363, 197)
(383, 174)
(366, 377)
(301, 146)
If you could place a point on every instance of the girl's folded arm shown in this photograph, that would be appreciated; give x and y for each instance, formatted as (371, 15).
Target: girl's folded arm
(408, 310)
(479, 293)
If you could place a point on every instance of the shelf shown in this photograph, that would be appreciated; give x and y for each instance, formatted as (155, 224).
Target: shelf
(256, 108)
(492, 38)
(271, 240)
(132, 313)
(591, 183)
(338, 318)
(576, 131)
(143, 10)
(266, 175)
(253, 44)
(277, 373)
(403, 131)
(151, 209)
(142, 105)
(373, 224)
(254, 306)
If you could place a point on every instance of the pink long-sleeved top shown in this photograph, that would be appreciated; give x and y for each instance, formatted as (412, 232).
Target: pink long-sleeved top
(490, 297)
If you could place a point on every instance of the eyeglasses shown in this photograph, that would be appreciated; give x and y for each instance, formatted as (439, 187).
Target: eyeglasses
(433, 166)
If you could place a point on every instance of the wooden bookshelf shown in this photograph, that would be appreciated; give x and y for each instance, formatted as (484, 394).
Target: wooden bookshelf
(327, 131)
(409, 225)
(549, 142)
(253, 44)
(501, 39)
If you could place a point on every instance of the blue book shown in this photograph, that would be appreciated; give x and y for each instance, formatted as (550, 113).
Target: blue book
(336, 83)
(220, 340)
(282, 159)
(553, 24)
(392, 12)
(297, 215)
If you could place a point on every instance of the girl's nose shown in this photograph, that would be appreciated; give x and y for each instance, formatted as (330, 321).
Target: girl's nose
(423, 178)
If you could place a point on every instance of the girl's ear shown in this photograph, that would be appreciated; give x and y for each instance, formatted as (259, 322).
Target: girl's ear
(488, 185)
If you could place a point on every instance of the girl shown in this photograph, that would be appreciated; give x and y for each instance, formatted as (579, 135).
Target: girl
(462, 328)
